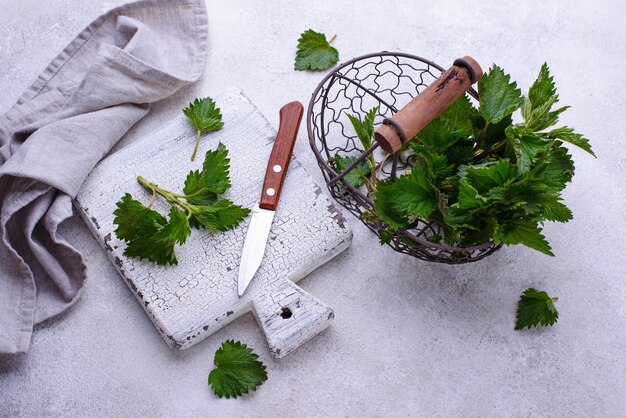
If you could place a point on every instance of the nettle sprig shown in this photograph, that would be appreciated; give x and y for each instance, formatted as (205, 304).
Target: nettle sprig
(151, 236)
(477, 174)
(204, 116)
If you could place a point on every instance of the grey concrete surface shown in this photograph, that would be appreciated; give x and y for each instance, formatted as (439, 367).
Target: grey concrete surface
(410, 338)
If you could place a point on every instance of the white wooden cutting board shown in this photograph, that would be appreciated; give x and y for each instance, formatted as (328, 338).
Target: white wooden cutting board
(192, 300)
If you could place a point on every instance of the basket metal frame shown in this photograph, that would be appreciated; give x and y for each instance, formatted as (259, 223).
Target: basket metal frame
(414, 240)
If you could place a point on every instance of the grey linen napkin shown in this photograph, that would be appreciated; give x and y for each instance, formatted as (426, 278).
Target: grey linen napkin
(89, 96)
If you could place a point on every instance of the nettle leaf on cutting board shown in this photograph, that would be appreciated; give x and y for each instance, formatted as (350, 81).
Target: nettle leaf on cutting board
(205, 116)
(237, 371)
(139, 227)
(314, 52)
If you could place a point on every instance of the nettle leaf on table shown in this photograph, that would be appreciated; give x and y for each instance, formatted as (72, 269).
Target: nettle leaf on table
(237, 370)
(151, 236)
(314, 52)
(205, 116)
(535, 308)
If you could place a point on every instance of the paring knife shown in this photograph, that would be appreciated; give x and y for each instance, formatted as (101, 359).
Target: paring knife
(263, 214)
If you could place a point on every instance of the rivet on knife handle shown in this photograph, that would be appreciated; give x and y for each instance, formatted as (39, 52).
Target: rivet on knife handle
(290, 117)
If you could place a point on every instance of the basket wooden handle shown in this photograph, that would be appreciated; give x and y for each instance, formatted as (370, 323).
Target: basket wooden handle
(427, 105)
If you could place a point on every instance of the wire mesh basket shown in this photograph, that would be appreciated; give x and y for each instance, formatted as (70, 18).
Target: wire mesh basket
(392, 82)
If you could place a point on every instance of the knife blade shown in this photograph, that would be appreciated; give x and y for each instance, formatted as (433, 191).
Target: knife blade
(263, 214)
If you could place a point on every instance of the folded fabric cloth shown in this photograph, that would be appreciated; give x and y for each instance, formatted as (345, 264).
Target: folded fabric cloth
(89, 96)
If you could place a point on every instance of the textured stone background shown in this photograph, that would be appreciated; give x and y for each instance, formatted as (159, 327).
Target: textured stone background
(410, 338)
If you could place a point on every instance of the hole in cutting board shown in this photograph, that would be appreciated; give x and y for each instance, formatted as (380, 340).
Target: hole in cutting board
(286, 313)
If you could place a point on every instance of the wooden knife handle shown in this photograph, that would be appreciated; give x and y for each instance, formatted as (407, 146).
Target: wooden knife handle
(290, 117)
(427, 105)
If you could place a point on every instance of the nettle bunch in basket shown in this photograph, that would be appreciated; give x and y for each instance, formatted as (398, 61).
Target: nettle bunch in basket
(475, 173)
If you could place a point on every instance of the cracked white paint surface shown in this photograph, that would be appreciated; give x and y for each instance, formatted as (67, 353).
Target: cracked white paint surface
(195, 298)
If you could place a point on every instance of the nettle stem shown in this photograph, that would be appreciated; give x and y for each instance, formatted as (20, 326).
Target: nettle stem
(195, 148)
(332, 39)
(482, 135)
(152, 199)
(172, 198)
(372, 164)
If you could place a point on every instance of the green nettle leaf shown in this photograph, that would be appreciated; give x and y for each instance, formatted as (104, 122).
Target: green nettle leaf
(465, 215)
(498, 97)
(453, 125)
(553, 209)
(537, 108)
(485, 177)
(356, 175)
(215, 170)
(494, 132)
(542, 91)
(408, 195)
(364, 128)
(138, 225)
(237, 370)
(221, 216)
(557, 170)
(314, 52)
(437, 164)
(177, 228)
(145, 245)
(129, 214)
(522, 231)
(527, 145)
(195, 191)
(535, 307)
(535, 198)
(469, 198)
(150, 236)
(460, 153)
(205, 117)
(567, 134)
